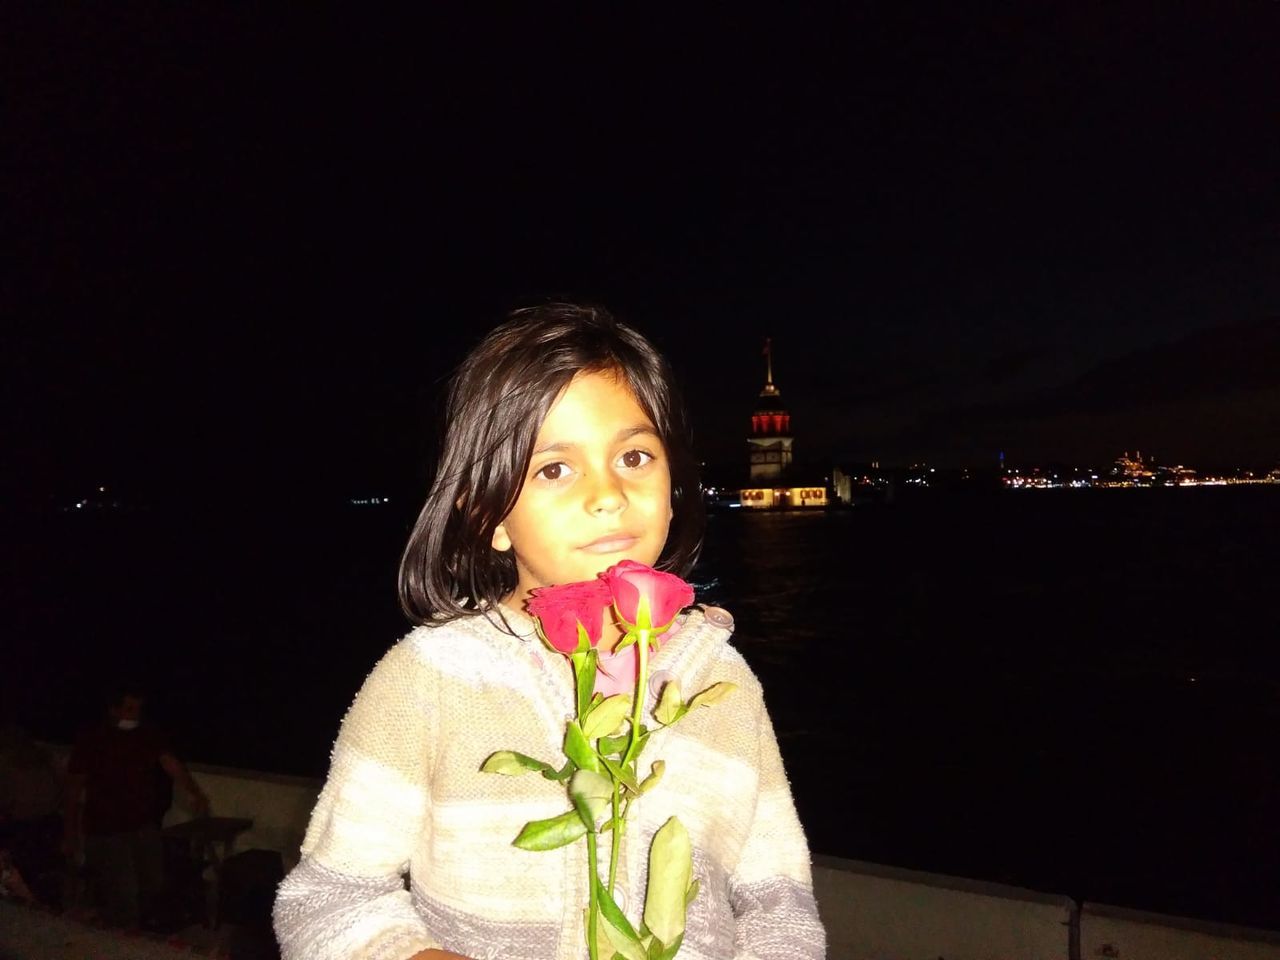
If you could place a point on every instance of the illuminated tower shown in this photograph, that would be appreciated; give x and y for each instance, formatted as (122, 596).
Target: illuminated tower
(770, 441)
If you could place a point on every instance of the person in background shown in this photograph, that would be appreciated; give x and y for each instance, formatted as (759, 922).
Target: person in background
(11, 883)
(30, 813)
(112, 813)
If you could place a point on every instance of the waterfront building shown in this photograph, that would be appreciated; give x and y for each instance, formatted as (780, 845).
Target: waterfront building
(773, 481)
(860, 482)
(770, 443)
(1132, 469)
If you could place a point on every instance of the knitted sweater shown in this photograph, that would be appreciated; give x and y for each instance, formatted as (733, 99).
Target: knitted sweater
(405, 795)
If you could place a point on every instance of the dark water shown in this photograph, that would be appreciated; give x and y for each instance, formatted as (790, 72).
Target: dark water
(1072, 691)
(1077, 692)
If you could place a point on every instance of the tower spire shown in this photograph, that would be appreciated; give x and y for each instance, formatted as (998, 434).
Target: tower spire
(770, 440)
(769, 389)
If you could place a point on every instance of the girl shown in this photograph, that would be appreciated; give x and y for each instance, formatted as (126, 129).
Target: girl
(566, 451)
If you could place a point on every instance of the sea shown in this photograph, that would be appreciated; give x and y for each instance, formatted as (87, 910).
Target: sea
(1073, 691)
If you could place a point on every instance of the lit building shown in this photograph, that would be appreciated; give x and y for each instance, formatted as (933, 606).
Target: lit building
(852, 482)
(770, 440)
(772, 483)
(1131, 470)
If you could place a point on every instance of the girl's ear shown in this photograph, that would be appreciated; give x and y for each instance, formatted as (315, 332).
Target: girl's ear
(501, 542)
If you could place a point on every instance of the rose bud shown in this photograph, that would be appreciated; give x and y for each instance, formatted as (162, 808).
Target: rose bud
(644, 597)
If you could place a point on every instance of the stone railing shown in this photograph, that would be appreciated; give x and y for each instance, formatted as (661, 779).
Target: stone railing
(874, 912)
(871, 912)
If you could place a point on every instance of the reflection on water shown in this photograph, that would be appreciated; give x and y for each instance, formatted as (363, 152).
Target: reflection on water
(1077, 692)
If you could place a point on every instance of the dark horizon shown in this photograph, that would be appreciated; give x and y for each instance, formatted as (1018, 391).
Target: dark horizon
(251, 245)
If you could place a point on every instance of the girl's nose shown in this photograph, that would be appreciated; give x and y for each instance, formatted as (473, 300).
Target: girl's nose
(607, 496)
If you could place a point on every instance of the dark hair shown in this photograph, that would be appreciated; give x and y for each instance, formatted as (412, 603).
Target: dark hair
(117, 689)
(497, 401)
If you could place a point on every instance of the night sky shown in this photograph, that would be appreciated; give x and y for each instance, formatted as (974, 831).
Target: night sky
(244, 249)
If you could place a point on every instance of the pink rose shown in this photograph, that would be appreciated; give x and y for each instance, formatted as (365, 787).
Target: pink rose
(631, 584)
(562, 609)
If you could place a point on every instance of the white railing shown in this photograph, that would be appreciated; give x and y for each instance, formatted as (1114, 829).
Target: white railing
(871, 911)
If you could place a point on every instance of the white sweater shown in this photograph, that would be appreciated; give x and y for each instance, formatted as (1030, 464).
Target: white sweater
(405, 796)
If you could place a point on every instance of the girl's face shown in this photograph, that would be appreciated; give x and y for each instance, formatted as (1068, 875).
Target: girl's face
(598, 489)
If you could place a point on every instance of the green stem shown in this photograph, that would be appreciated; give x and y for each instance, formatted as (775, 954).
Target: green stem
(584, 676)
(642, 684)
(593, 906)
(620, 833)
(615, 840)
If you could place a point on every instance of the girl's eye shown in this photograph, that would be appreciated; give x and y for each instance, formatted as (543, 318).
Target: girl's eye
(552, 471)
(634, 459)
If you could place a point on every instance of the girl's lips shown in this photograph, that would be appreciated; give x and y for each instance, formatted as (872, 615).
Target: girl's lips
(614, 543)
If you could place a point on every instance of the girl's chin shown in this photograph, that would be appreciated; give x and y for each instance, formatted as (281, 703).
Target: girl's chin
(583, 566)
(600, 564)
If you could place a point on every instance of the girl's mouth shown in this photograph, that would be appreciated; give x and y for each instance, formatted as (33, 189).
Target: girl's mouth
(611, 543)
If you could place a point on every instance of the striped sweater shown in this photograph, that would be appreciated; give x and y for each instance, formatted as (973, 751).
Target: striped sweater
(409, 845)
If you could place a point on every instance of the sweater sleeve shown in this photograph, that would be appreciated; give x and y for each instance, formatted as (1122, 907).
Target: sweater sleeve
(346, 899)
(771, 890)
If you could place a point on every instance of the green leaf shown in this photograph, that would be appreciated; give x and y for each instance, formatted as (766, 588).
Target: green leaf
(655, 775)
(641, 741)
(617, 942)
(713, 694)
(605, 943)
(670, 873)
(512, 764)
(621, 934)
(584, 674)
(670, 708)
(585, 813)
(606, 716)
(577, 749)
(613, 746)
(563, 773)
(670, 951)
(592, 795)
(623, 775)
(552, 833)
(692, 895)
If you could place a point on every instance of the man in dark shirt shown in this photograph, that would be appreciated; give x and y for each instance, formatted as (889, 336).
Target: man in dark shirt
(112, 809)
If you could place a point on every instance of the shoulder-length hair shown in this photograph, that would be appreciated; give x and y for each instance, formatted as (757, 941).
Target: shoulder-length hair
(496, 404)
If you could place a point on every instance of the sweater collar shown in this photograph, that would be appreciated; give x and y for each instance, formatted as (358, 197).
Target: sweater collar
(693, 638)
